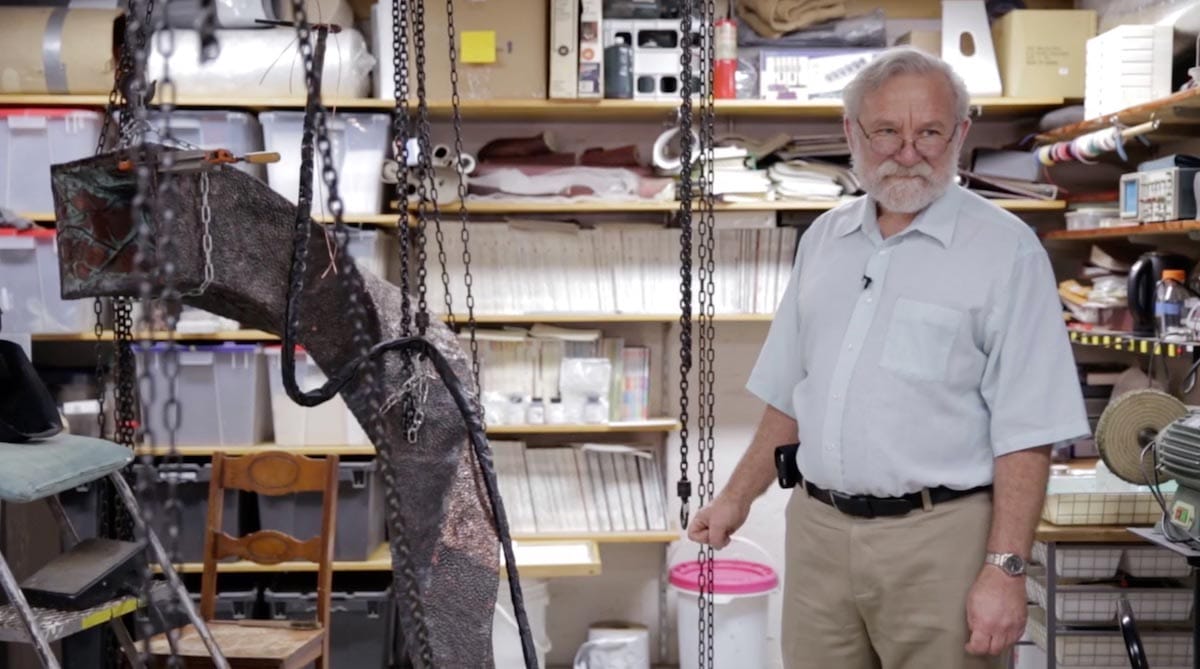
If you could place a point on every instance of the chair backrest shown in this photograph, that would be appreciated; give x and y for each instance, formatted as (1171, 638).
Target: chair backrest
(1133, 640)
(271, 473)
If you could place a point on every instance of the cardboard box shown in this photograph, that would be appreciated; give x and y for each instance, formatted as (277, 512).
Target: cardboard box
(929, 41)
(502, 50)
(56, 50)
(1042, 52)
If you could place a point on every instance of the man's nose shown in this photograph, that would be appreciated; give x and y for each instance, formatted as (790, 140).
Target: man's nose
(908, 155)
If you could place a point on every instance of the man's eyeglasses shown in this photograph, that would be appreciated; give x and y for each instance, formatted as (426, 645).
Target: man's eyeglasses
(887, 141)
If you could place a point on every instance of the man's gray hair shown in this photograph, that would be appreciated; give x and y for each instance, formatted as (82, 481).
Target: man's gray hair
(904, 60)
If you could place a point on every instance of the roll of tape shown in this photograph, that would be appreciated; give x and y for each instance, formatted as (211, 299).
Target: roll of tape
(52, 44)
(468, 163)
(442, 156)
(668, 162)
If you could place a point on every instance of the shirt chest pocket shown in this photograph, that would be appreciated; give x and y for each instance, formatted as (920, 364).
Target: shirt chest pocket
(920, 339)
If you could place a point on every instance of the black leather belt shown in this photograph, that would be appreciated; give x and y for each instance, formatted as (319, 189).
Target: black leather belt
(867, 506)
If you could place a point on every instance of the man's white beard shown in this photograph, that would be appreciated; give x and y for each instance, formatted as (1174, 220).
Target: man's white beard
(904, 196)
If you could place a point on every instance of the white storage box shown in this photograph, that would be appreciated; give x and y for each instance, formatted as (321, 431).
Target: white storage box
(359, 144)
(329, 424)
(1126, 66)
(31, 140)
(221, 391)
(31, 288)
(216, 129)
(1154, 562)
(1166, 650)
(1097, 603)
(1080, 561)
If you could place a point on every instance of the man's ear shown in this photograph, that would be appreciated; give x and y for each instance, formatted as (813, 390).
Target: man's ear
(846, 128)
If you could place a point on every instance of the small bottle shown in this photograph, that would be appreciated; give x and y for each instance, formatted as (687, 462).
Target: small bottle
(556, 413)
(515, 413)
(593, 411)
(1168, 305)
(535, 413)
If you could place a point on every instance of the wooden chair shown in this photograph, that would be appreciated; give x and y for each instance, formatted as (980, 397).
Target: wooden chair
(264, 644)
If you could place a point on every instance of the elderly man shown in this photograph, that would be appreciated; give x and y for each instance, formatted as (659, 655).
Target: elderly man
(919, 357)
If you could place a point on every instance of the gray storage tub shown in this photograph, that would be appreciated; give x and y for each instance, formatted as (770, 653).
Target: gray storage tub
(191, 491)
(360, 512)
(358, 622)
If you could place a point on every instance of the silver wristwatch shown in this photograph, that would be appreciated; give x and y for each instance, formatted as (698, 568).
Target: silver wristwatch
(1010, 563)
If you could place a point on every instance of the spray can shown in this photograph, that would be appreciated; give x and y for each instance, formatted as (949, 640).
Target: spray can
(725, 59)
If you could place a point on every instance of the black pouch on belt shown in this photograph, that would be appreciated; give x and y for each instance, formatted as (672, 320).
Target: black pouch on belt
(785, 465)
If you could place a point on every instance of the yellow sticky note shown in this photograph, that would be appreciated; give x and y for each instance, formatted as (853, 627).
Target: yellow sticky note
(478, 46)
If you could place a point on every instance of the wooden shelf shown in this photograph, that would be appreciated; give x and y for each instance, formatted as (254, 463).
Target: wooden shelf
(1179, 109)
(632, 427)
(652, 425)
(544, 110)
(461, 318)
(655, 537)
(182, 337)
(1123, 341)
(1085, 534)
(529, 563)
(1143, 230)
(514, 207)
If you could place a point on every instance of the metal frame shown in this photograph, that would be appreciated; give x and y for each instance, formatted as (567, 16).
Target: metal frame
(36, 635)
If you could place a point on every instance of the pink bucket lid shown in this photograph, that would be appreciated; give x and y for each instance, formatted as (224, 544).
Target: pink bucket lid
(730, 577)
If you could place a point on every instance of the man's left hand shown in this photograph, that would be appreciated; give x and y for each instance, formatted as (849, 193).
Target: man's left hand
(996, 612)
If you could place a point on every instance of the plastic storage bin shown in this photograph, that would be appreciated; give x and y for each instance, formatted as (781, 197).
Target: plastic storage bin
(1097, 603)
(1153, 562)
(31, 140)
(358, 622)
(359, 143)
(222, 391)
(191, 491)
(328, 424)
(360, 512)
(31, 288)
(1090, 649)
(1080, 562)
(82, 505)
(369, 251)
(211, 129)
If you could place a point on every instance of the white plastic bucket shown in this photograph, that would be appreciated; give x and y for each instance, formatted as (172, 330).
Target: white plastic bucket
(506, 637)
(740, 603)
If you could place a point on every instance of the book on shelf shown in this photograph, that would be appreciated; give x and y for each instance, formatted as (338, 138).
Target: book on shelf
(619, 268)
(580, 488)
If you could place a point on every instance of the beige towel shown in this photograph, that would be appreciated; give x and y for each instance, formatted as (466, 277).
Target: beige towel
(775, 18)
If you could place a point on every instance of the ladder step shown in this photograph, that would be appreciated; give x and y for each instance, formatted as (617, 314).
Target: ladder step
(56, 624)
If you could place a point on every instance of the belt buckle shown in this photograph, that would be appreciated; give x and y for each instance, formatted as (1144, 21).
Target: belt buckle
(861, 508)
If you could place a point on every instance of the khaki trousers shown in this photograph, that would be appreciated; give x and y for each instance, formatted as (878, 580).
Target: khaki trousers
(882, 593)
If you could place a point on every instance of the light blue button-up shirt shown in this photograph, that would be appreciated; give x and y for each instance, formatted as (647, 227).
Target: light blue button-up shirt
(954, 354)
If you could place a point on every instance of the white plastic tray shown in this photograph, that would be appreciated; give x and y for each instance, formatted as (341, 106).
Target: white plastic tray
(1081, 561)
(1165, 650)
(1097, 604)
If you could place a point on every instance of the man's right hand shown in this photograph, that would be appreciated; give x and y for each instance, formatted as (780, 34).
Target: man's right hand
(715, 523)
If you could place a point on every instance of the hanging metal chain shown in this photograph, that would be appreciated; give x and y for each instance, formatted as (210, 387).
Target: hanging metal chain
(416, 387)
(465, 235)
(706, 378)
(424, 167)
(165, 268)
(206, 240)
(403, 572)
(684, 486)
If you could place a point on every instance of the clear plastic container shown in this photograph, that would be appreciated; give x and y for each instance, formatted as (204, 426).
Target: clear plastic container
(31, 140)
(31, 289)
(359, 144)
(1169, 297)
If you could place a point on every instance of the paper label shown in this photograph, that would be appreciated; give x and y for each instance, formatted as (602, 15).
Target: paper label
(478, 46)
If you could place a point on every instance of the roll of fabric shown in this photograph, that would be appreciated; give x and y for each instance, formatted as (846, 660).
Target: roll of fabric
(266, 63)
(230, 13)
(56, 50)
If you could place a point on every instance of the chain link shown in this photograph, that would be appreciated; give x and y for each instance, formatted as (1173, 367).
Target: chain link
(465, 235)
(404, 573)
(206, 240)
(684, 486)
(707, 377)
